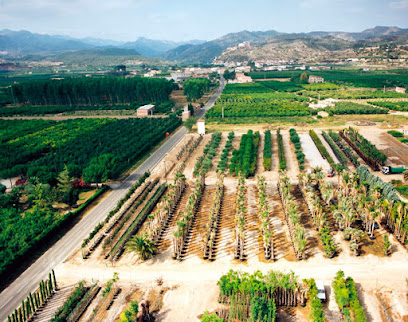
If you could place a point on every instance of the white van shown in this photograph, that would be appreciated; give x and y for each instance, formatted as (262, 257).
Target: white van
(321, 293)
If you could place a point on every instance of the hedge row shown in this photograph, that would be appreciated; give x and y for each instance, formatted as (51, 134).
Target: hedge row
(48, 233)
(116, 209)
(388, 190)
(281, 151)
(321, 148)
(267, 152)
(345, 148)
(339, 154)
(294, 138)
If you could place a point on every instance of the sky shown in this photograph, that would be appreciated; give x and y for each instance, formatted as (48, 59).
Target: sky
(181, 20)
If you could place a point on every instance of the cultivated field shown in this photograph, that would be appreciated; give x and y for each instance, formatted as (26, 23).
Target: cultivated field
(229, 225)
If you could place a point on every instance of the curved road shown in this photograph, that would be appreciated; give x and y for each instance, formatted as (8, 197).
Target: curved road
(28, 281)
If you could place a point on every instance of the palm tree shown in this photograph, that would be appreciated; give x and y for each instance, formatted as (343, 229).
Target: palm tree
(142, 245)
(302, 178)
(405, 175)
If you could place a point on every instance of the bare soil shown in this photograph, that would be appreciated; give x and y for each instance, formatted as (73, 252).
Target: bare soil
(190, 285)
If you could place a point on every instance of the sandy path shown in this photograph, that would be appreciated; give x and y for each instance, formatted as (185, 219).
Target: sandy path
(291, 162)
(199, 281)
(396, 151)
(195, 247)
(252, 232)
(227, 224)
(259, 160)
(312, 154)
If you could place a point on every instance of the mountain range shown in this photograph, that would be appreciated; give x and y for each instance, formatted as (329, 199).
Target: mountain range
(207, 51)
(27, 43)
(21, 43)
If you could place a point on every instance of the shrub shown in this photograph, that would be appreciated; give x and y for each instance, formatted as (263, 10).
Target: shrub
(395, 134)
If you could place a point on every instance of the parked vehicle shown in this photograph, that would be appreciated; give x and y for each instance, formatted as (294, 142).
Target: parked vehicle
(393, 170)
(321, 293)
(331, 173)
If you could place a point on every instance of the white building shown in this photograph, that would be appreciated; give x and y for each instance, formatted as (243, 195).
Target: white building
(240, 78)
(180, 76)
(313, 79)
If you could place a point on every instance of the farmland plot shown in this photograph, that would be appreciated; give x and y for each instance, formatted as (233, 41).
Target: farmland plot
(313, 156)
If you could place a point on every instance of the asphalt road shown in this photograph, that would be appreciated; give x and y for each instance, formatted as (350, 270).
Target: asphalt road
(28, 281)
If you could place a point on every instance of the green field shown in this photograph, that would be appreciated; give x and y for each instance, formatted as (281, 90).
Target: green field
(57, 157)
(355, 78)
(41, 148)
(271, 101)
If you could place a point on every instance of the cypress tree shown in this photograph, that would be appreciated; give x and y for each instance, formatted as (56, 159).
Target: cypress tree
(22, 307)
(8, 319)
(28, 308)
(37, 296)
(50, 285)
(42, 292)
(20, 315)
(32, 303)
(15, 315)
(36, 302)
(54, 279)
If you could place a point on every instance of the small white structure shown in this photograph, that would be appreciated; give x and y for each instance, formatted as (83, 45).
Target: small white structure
(180, 76)
(240, 78)
(313, 79)
(201, 127)
(330, 102)
(400, 90)
(145, 110)
(186, 114)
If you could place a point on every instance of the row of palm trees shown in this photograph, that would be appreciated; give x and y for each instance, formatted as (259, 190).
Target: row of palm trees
(145, 244)
(240, 213)
(184, 148)
(165, 209)
(185, 223)
(370, 205)
(292, 216)
(264, 216)
(316, 208)
(214, 217)
(191, 148)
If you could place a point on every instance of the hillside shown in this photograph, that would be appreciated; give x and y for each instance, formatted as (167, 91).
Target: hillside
(319, 48)
(207, 51)
(105, 56)
(154, 48)
(25, 42)
(272, 44)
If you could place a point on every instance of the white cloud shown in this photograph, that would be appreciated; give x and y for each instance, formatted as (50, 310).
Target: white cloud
(402, 4)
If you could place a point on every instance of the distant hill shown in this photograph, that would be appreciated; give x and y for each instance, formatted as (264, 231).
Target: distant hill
(375, 32)
(313, 41)
(207, 51)
(318, 47)
(101, 56)
(154, 48)
(25, 42)
(268, 43)
(19, 43)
